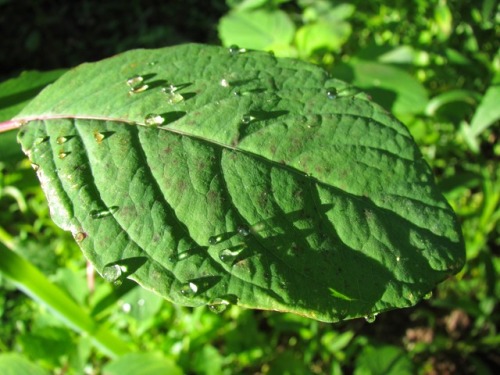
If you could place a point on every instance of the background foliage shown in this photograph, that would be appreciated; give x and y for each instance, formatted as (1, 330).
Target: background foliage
(434, 64)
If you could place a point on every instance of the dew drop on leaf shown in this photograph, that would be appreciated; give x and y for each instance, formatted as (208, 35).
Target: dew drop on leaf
(243, 230)
(138, 89)
(80, 236)
(218, 305)
(112, 272)
(331, 93)
(153, 119)
(98, 136)
(214, 240)
(126, 307)
(173, 97)
(40, 140)
(97, 214)
(234, 50)
(134, 82)
(61, 140)
(246, 119)
(228, 256)
(370, 318)
(189, 289)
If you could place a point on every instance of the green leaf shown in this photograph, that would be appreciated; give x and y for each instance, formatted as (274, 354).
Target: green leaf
(15, 93)
(389, 86)
(268, 184)
(322, 35)
(15, 364)
(488, 111)
(383, 360)
(141, 363)
(257, 29)
(34, 283)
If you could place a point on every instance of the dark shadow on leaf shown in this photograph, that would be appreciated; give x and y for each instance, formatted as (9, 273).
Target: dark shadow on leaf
(205, 283)
(131, 265)
(157, 83)
(183, 255)
(147, 77)
(257, 121)
(188, 95)
(172, 116)
(386, 98)
(112, 298)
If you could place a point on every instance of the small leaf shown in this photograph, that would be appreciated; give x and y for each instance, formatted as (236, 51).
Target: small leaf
(390, 86)
(383, 360)
(488, 111)
(257, 29)
(331, 191)
(16, 364)
(141, 363)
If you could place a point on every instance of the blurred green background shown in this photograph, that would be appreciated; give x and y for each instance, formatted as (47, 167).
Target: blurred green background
(434, 64)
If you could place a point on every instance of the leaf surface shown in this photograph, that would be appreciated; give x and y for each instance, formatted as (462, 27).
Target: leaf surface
(269, 184)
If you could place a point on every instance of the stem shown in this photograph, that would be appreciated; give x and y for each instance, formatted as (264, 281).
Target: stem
(34, 283)
(9, 125)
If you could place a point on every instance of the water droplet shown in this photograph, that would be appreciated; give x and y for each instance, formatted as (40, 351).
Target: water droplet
(40, 140)
(189, 289)
(152, 63)
(370, 318)
(35, 167)
(228, 255)
(98, 136)
(135, 81)
(141, 302)
(428, 295)
(80, 236)
(61, 140)
(218, 305)
(173, 97)
(153, 119)
(331, 93)
(112, 272)
(235, 50)
(126, 307)
(138, 89)
(398, 258)
(63, 154)
(246, 119)
(97, 214)
(243, 230)
(224, 83)
(187, 253)
(214, 240)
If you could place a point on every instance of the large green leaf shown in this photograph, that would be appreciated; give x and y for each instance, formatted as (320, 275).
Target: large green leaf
(268, 183)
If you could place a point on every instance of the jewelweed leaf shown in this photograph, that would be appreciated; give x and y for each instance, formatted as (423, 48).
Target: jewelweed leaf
(223, 176)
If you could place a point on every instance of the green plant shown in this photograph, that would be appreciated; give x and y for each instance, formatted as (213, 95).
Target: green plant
(326, 175)
(446, 53)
